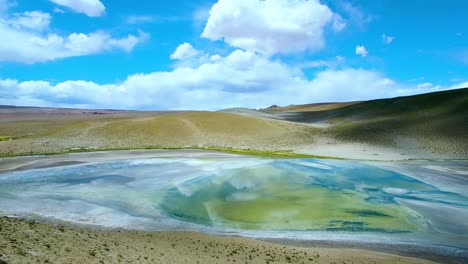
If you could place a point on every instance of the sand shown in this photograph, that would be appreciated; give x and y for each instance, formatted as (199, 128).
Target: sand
(24, 241)
(327, 147)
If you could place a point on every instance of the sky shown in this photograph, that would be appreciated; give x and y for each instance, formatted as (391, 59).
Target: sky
(211, 55)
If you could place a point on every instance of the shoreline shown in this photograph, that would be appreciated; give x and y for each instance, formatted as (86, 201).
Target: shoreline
(26, 241)
(228, 151)
(436, 253)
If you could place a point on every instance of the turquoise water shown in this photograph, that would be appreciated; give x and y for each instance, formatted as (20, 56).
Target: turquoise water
(244, 194)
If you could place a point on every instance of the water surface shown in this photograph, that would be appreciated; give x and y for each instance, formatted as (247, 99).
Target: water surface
(245, 195)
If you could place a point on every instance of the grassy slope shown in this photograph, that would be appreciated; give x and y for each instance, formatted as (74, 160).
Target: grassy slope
(175, 130)
(311, 107)
(435, 122)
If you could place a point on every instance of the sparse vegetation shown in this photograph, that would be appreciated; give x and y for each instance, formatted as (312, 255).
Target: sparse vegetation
(22, 243)
(195, 130)
(431, 123)
(5, 138)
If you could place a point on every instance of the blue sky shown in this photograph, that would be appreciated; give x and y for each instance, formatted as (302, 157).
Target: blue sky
(227, 53)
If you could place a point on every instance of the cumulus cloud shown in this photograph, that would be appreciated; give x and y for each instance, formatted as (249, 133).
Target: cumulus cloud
(28, 47)
(184, 51)
(30, 20)
(92, 8)
(387, 39)
(241, 76)
(241, 79)
(270, 27)
(361, 50)
(29, 40)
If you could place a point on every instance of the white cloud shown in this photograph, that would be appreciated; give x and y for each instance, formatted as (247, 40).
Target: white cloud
(328, 63)
(361, 50)
(355, 14)
(270, 27)
(459, 85)
(140, 19)
(425, 85)
(338, 23)
(31, 47)
(316, 64)
(215, 57)
(184, 51)
(58, 10)
(30, 40)
(233, 80)
(241, 79)
(387, 39)
(30, 20)
(92, 8)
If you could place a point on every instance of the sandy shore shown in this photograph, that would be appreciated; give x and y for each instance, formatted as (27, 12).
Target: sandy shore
(360, 151)
(24, 241)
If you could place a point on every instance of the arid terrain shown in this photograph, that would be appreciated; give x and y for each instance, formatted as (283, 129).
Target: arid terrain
(30, 242)
(429, 126)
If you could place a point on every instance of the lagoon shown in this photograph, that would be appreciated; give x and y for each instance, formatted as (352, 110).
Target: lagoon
(257, 197)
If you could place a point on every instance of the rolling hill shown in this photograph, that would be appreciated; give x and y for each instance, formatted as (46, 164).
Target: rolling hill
(431, 125)
(435, 122)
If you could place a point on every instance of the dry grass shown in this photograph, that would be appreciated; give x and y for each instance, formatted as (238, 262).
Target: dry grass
(29, 242)
(435, 122)
(430, 123)
(311, 107)
(141, 130)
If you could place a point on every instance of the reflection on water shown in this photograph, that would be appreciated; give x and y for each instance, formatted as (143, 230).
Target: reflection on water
(303, 195)
(240, 194)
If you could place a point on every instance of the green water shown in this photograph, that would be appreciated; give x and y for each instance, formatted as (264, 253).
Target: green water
(281, 196)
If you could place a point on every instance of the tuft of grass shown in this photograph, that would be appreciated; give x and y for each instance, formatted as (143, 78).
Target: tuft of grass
(6, 138)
